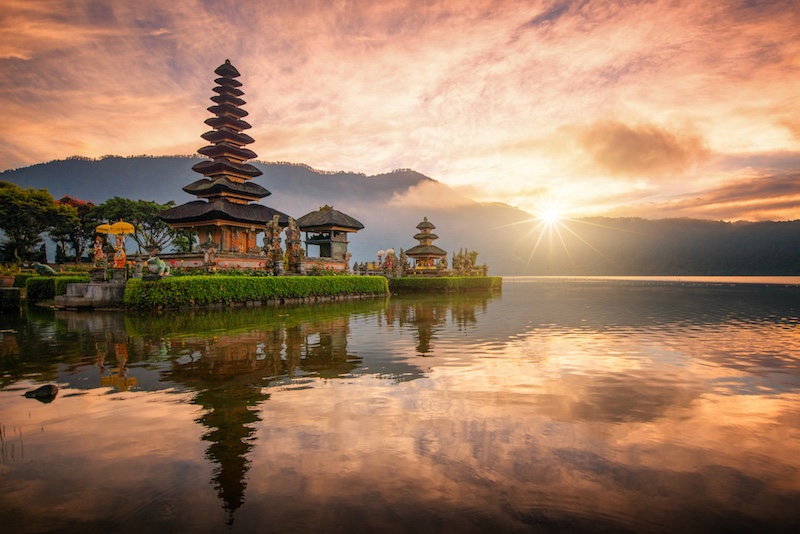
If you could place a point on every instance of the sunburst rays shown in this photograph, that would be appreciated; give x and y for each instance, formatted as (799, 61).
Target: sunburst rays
(551, 231)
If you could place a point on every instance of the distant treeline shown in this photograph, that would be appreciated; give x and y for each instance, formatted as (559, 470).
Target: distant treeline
(194, 156)
(307, 167)
(633, 246)
(105, 157)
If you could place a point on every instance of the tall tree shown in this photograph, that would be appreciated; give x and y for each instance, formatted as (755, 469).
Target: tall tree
(149, 231)
(27, 213)
(77, 236)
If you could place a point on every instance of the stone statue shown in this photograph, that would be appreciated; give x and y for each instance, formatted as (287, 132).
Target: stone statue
(294, 251)
(405, 266)
(272, 246)
(99, 255)
(157, 266)
(209, 250)
(120, 257)
(44, 270)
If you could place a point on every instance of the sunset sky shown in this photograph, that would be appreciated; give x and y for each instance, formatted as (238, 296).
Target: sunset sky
(621, 108)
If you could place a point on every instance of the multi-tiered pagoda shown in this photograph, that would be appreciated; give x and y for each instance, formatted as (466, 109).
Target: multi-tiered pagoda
(426, 255)
(224, 216)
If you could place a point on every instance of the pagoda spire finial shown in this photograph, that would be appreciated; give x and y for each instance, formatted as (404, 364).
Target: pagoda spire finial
(226, 211)
(227, 149)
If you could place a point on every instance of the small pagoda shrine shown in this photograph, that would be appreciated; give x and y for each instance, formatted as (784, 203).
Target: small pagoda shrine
(426, 255)
(225, 216)
(327, 229)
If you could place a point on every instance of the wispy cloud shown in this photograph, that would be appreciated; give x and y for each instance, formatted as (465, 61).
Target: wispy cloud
(490, 96)
(773, 197)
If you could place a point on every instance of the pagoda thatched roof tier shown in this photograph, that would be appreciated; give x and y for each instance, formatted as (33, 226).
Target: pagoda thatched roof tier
(227, 98)
(423, 235)
(206, 188)
(224, 121)
(228, 111)
(327, 217)
(227, 150)
(200, 211)
(223, 166)
(228, 82)
(232, 91)
(227, 70)
(425, 250)
(229, 136)
(226, 196)
(425, 224)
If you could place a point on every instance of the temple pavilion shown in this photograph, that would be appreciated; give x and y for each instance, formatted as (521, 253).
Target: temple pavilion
(327, 230)
(426, 255)
(225, 214)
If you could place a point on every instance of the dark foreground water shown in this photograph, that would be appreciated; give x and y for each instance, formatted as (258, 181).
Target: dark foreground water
(552, 407)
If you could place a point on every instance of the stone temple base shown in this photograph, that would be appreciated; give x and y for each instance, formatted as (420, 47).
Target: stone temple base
(92, 295)
(226, 260)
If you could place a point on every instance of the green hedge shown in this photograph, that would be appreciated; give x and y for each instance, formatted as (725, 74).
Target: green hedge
(20, 279)
(204, 290)
(444, 284)
(47, 287)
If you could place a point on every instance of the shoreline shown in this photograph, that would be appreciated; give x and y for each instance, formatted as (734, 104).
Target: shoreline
(691, 281)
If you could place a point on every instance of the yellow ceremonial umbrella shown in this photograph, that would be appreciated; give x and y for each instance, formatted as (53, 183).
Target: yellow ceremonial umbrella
(122, 228)
(104, 228)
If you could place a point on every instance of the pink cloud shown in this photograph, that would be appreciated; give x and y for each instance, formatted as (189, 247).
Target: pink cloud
(454, 89)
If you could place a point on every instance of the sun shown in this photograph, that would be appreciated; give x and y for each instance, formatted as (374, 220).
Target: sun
(550, 212)
(550, 215)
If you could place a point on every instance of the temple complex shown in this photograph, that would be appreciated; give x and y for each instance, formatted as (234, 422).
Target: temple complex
(224, 215)
(327, 230)
(426, 255)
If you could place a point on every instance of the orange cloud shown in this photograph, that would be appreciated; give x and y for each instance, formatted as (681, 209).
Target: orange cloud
(757, 198)
(453, 89)
(640, 150)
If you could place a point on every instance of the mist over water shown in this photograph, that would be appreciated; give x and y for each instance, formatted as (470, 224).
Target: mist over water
(553, 406)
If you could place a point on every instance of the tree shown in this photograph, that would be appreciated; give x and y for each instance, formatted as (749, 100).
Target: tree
(27, 213)
(150, 232)
(183, 241)
(79, 236)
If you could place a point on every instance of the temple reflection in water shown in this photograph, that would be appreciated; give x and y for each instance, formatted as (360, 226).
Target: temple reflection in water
(232, 360)
(594, 406)
(232, 374)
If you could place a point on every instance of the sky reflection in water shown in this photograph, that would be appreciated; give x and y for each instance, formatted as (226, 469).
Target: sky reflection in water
(549, 407)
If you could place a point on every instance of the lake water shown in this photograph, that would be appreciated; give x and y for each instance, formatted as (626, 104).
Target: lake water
(554, 406)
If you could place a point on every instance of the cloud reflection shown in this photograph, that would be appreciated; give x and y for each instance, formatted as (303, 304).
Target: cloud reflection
(552, 406)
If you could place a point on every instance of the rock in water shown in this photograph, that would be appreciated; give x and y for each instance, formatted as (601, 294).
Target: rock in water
(45, 393)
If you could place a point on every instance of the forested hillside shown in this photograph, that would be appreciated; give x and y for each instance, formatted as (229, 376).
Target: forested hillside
(509, 240)
(605, 246)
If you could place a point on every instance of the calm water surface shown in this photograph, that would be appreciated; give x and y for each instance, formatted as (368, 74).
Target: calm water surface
(554, 406)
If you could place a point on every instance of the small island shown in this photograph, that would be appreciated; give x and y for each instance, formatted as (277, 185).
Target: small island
(222, 262)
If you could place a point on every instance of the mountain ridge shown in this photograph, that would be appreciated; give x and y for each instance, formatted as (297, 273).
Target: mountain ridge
(391, 204)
